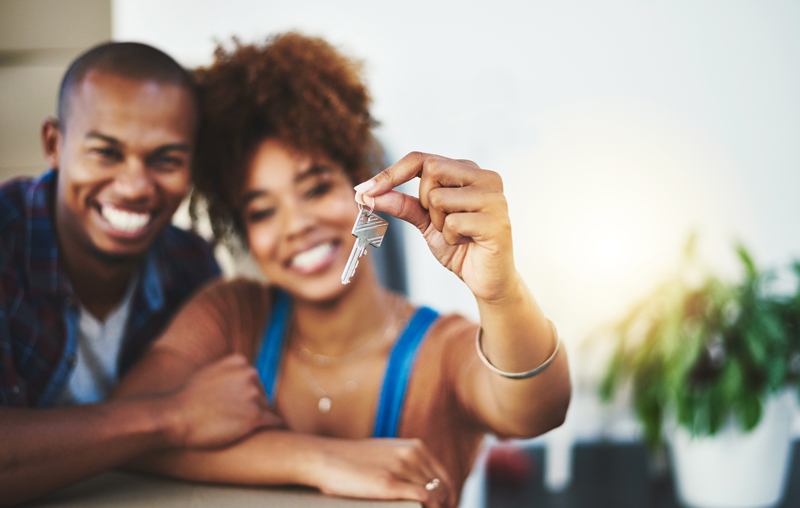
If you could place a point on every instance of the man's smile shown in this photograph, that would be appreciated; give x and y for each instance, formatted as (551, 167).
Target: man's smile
(125, 221)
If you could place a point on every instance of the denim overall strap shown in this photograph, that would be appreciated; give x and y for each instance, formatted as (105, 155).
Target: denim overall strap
(271, 354)
(398, 371)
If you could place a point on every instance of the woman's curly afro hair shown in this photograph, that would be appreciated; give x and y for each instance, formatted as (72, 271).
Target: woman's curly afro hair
(296, 89)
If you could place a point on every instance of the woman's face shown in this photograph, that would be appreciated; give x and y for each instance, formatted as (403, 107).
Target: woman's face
(299, 213)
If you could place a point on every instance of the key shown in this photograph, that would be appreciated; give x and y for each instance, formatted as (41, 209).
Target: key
(369, 229)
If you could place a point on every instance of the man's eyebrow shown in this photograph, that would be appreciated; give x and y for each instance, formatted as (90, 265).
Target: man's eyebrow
(181, 147)
(103, 137)
(315, 170)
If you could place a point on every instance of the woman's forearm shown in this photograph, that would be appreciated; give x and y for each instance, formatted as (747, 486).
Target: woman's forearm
(364, 468)
(517, 337)
(265, 458)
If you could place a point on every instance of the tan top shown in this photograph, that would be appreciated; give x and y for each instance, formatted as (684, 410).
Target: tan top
(231, 316)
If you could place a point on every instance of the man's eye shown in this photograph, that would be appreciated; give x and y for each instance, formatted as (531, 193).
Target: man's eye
(259, 215)
(108, 153)
(319, 190)
(167, 161)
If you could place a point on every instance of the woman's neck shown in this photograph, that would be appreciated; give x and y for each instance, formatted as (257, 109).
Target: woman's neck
(345, 324)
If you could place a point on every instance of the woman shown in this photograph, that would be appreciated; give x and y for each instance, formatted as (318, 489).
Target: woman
(287, 136)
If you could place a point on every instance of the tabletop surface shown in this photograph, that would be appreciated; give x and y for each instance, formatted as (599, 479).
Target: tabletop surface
(123, 490)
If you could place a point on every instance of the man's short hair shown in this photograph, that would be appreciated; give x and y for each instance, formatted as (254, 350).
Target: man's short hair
(131, 60)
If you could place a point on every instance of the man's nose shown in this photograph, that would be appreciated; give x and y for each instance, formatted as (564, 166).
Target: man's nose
(134, 180)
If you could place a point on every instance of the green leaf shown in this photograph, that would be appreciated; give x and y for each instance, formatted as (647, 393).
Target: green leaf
(750, 412)
(747, 261)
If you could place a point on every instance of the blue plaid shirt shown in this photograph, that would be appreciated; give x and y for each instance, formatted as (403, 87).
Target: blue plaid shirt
(38, 308)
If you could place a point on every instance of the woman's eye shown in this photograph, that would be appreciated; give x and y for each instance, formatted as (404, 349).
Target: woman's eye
(259, 215)
(318, 190)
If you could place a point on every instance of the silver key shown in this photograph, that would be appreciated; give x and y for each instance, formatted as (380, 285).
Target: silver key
(369, 229)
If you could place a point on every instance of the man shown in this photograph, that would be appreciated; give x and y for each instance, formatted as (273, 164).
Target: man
(91, 271)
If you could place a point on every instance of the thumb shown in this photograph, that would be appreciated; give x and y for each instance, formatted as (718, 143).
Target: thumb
(270, 419)
(400, 205)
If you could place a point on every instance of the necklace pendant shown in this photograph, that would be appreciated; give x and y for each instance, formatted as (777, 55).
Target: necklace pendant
(324, 405)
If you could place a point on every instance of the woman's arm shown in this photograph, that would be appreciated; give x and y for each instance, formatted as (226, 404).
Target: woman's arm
(367, 468)
(371, 468)
(463, 216)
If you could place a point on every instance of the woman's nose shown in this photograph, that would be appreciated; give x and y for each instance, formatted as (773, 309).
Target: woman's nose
(299, 219)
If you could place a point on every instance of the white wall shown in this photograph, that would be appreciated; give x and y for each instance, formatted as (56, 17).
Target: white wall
(617, 126)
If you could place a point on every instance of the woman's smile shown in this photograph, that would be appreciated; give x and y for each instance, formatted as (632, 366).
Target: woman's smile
(315, 259)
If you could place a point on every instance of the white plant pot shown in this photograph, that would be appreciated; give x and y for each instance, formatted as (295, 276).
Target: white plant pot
(735, 469)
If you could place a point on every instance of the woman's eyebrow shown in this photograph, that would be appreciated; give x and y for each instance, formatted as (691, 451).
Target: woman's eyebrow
(315, 170)
(248, 197)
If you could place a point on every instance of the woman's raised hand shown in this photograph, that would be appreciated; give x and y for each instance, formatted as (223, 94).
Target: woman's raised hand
(462, 213)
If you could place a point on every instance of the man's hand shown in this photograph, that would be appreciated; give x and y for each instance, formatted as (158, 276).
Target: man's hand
(219, 404)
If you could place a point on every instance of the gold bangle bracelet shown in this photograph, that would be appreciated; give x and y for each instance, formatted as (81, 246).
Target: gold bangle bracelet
(518, 375)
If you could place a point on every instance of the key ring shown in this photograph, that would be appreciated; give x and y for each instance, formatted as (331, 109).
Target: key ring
(362, 206)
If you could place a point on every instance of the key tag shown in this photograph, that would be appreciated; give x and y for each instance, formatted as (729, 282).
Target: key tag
(369, 229)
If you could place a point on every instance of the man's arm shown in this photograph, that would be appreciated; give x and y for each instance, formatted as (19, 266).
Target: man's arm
(44, 449)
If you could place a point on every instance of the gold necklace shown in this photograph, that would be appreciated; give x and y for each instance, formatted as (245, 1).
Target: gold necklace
(325, 397)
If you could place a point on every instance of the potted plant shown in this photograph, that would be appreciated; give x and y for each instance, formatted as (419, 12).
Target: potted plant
(708, 364)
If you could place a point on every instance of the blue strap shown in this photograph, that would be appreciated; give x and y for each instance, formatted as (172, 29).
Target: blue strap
(398, 371)
(269, 359)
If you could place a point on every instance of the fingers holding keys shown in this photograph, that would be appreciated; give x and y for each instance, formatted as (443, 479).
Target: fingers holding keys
(472, 188)
(462, 213)
(433, 171)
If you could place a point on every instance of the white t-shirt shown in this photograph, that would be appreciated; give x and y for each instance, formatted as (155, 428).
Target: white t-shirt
(99, 342)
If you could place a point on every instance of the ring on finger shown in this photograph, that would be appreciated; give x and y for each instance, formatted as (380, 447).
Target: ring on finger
(432, 485)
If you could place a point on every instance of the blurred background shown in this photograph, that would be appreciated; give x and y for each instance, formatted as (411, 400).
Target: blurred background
(618, 127)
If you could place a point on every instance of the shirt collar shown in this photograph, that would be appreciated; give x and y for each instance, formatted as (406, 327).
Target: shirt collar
(41, 245)
(152, 284)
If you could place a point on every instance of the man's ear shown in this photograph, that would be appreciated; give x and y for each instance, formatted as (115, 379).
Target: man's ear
(51, 141)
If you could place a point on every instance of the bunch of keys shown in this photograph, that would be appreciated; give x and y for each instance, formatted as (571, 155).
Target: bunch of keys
(369, 229)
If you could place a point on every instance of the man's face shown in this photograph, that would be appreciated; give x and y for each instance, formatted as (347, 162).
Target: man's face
(124, 159)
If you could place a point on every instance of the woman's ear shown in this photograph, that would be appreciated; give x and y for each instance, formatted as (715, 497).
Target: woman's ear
(51, 141)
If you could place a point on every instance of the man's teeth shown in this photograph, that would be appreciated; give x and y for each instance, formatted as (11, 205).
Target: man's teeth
(312, 257)
(121, 220)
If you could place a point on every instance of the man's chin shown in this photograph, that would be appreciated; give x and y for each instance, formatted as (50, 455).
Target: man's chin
(112, 253)
(113, 258)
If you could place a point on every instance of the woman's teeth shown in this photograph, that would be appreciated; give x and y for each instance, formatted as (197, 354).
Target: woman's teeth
(121, 220)
(312, 257)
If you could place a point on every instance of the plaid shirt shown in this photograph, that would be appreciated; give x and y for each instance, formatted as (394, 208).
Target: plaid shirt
(38, 310)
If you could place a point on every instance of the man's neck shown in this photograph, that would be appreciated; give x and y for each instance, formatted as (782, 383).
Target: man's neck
(99, 288)
(99, 284)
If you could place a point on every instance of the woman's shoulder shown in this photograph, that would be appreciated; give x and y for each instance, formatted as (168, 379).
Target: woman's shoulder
(226, 298)
(235, 290)
(451, 335)
(452, 327)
